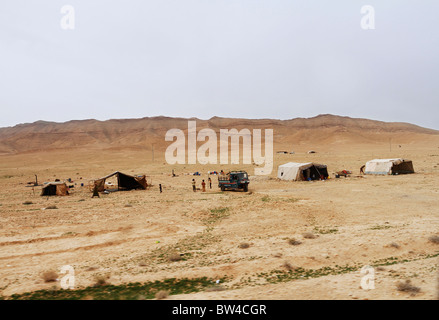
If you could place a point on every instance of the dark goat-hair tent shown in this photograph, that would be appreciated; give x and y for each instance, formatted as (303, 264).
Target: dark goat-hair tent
(124, 181)
(55, 189)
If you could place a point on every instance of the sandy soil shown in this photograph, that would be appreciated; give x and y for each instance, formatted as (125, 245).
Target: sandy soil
(357, 221)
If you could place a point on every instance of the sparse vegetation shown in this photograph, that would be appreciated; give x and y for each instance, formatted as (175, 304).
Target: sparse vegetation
(130, 291)
(325, 230)
(216, 215)
(51, 207)
(28, 203)
(380, 227)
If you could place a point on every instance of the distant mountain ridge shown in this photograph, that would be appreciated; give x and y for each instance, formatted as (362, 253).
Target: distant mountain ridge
(95, 134)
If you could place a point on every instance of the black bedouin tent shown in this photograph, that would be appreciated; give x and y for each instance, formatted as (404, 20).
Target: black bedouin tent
(124, 181)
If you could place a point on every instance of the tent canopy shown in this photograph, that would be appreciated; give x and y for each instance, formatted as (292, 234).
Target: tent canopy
(55, 189)
(389, 166)
(302, 171)
(124, 181)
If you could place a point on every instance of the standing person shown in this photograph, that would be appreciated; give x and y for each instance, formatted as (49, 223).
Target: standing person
(210, 183)
(160, 186)
(203, 185)
(194, 185)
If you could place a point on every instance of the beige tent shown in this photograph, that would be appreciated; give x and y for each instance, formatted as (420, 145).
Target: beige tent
(302, 171)
(124, 181)
(55, 189)
(389, 166)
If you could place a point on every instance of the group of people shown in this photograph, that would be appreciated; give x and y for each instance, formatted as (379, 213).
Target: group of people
(203, 185)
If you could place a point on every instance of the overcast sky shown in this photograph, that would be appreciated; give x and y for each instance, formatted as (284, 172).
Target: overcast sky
(277, 59)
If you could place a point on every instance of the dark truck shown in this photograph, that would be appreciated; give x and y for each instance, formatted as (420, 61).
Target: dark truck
(234, 180)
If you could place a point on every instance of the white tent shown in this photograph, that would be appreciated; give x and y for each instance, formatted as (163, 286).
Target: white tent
(389, 166)
(301, 171)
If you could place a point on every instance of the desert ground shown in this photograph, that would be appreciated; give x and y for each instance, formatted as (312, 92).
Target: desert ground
(340, 225)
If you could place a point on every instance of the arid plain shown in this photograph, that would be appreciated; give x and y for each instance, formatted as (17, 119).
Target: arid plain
(281, 240)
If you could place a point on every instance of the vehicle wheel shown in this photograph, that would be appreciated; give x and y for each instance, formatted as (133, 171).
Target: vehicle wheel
(222, 188)
(245, 187)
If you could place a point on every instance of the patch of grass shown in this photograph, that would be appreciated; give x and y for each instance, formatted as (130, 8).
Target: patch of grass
(295, 273)
(130, 291)
(266, 198)
(325, 230)
(382, 227)
(216, 215)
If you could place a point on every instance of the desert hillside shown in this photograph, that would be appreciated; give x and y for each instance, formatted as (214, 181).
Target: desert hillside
(322, 130)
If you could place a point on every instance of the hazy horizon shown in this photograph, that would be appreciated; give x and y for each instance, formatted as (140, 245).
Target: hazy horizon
(235, 59)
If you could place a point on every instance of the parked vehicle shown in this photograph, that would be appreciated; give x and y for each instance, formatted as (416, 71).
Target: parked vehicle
(234, 180)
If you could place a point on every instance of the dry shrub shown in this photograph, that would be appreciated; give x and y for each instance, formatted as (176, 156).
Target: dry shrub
(51, 207)
(407, 287)
(162, 294)
(101, 281)
(394, 245)
(27, 202)
(434, 239)
(294, 242)
(49, 276)
(91, 268)
(244, 245)
(174, 257)
(309, 235)
(288, 266)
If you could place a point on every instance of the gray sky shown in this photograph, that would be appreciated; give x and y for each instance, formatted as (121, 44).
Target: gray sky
(234, 58)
